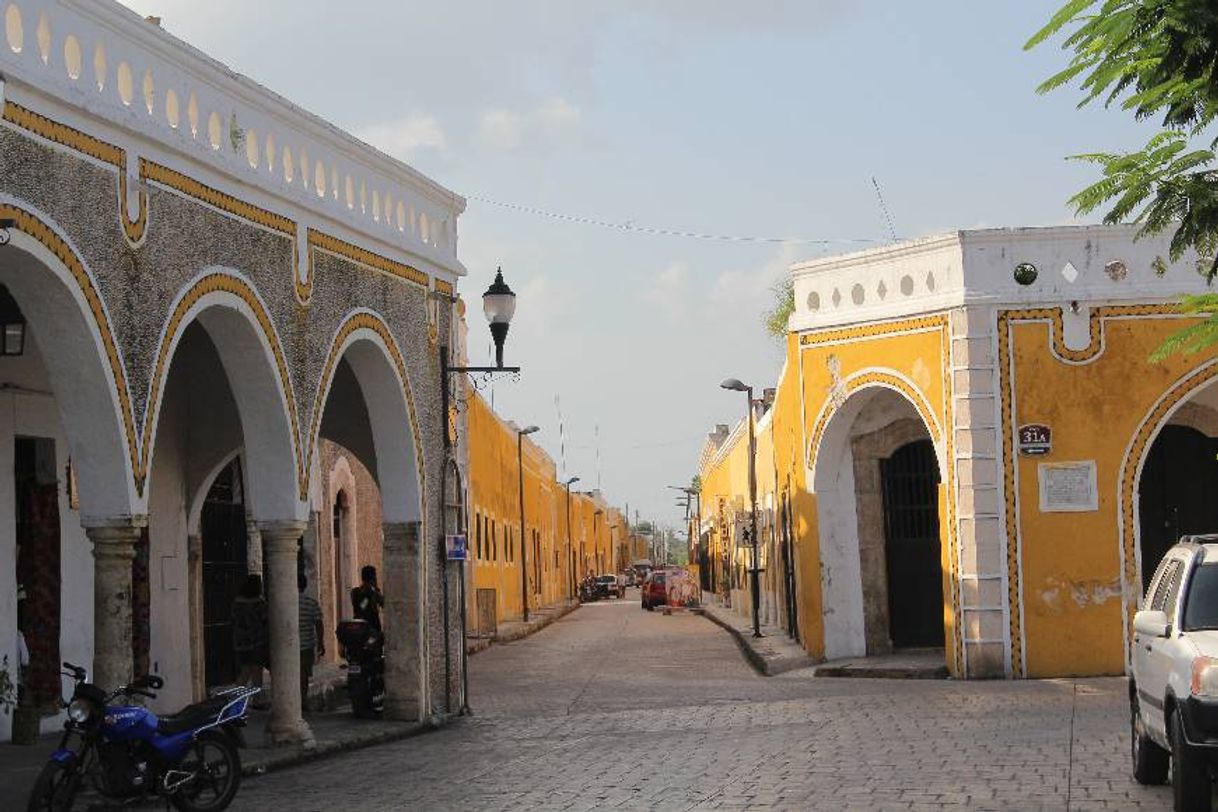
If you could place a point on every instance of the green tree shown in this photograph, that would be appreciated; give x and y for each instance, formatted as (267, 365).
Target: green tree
(783, 305)
(1154, 59)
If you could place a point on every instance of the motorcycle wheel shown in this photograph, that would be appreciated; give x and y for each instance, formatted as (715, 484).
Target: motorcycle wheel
(217, 765)
(55, 789)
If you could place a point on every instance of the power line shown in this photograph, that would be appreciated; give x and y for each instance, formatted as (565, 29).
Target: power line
(631, 226)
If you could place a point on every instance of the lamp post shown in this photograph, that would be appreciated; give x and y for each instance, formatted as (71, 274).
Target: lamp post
(755, 581)
(524, 556)
(570, 550)
(499, 305)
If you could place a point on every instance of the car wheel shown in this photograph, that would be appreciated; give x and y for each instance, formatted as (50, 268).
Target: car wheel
(1150, 761)
(1190, 779)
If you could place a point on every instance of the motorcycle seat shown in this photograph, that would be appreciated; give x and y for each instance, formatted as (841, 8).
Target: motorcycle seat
(192, 716)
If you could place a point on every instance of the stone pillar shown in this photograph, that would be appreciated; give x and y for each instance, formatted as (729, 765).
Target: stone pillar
(287, 725)
(113, 552)
(403, 622)
(253, 552)
(194, 592)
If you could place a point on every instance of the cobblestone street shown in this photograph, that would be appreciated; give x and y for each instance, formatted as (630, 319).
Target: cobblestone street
(613, 707)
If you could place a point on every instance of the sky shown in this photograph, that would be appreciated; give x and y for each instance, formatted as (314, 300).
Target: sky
(765, 119)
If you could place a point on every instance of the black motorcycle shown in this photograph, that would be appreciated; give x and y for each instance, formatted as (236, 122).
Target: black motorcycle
(363, 647)
(125, 753)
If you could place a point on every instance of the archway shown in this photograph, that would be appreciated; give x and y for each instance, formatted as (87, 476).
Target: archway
(221, 388)
(1178, 480)
(876, 474)
(364, 405)
(67, 443)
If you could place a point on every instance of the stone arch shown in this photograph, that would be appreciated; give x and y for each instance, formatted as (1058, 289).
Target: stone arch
(53, 286)
(226, 305)
(875, 415)
(194, 508)
(365, 342)
(1177, 406)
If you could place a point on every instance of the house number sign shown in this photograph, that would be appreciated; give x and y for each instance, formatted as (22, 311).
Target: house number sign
(1035, 439)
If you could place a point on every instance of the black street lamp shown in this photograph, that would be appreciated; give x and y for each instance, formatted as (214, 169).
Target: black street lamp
(524, 558)
(499, 305)
(570, 548)
(736, 386)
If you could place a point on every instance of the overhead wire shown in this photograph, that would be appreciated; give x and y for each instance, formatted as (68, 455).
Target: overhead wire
(632, 226)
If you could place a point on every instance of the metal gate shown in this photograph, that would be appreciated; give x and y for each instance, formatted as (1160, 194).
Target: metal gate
(910, 479)
(1176, 492)
(225, 542)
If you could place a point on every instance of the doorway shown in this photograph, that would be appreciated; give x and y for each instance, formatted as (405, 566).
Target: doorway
(1176, 492)
(38, 569)
(225, 564)
(910, 484)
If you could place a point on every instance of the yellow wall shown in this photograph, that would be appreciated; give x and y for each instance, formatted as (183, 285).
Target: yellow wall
(494, 518)
(1073, 569)
(833, 363)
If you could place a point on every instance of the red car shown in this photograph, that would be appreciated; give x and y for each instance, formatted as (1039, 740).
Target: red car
(654, 591)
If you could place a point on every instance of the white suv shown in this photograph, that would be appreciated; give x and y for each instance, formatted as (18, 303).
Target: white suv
(1173, 691)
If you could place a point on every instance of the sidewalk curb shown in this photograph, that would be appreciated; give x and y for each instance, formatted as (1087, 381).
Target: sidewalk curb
(542, 618)
(762, 665)
(293, 757)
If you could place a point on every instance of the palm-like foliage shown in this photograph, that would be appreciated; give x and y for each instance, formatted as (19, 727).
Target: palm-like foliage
(1154, 58)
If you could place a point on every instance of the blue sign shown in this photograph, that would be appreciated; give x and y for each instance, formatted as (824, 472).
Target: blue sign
(456, 547)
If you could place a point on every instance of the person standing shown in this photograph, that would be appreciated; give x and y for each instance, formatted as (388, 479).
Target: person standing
(366, 599)
(312, 642)
(251, 637)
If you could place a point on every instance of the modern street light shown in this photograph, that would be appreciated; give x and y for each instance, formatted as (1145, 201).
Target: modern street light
(499, 305)
(570, 549)
(736, 386)
(524, 558)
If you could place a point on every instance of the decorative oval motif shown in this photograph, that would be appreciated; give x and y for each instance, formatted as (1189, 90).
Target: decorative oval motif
(1025, 273)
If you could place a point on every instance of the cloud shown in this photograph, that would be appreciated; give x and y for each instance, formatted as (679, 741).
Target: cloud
(748, 289)
(405, 136)
(667, 290)
(504, 129)
(500, 129)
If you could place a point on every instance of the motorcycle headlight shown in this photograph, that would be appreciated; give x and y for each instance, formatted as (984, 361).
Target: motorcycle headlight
(1205, 677)
(80, 710)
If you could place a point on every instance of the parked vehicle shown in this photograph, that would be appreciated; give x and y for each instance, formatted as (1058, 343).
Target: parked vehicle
(126, 754)
(363, 647)
(654, 590)
(610, 587)
(589, 590)
(1173, 690)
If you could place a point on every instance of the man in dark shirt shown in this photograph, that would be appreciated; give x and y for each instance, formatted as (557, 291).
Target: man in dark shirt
(367, 600)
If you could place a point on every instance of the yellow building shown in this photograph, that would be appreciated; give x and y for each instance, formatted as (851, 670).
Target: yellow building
(969, 448)
(506, 564)
(567, 534)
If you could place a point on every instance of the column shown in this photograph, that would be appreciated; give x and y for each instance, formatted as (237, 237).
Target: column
(113, 552)
(403, 616)
(287, 725)
(253, 551)
(194, 591)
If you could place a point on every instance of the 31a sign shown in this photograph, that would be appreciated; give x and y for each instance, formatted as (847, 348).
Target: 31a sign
(1035, 439)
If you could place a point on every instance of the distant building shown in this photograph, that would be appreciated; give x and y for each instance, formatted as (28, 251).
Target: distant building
(969, 448)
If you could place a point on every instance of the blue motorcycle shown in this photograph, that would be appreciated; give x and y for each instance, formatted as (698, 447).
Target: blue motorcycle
(125, 754)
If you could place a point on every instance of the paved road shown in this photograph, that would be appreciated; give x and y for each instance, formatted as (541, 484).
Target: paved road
(613, 707)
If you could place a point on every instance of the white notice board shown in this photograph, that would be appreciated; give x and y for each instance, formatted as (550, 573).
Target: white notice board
(1068, 487)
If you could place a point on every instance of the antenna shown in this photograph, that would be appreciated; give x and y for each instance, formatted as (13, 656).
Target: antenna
(596, 433)
(892, 231)
(562, 440)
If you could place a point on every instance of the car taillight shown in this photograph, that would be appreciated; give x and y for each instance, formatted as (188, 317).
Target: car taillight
(1205, 677)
